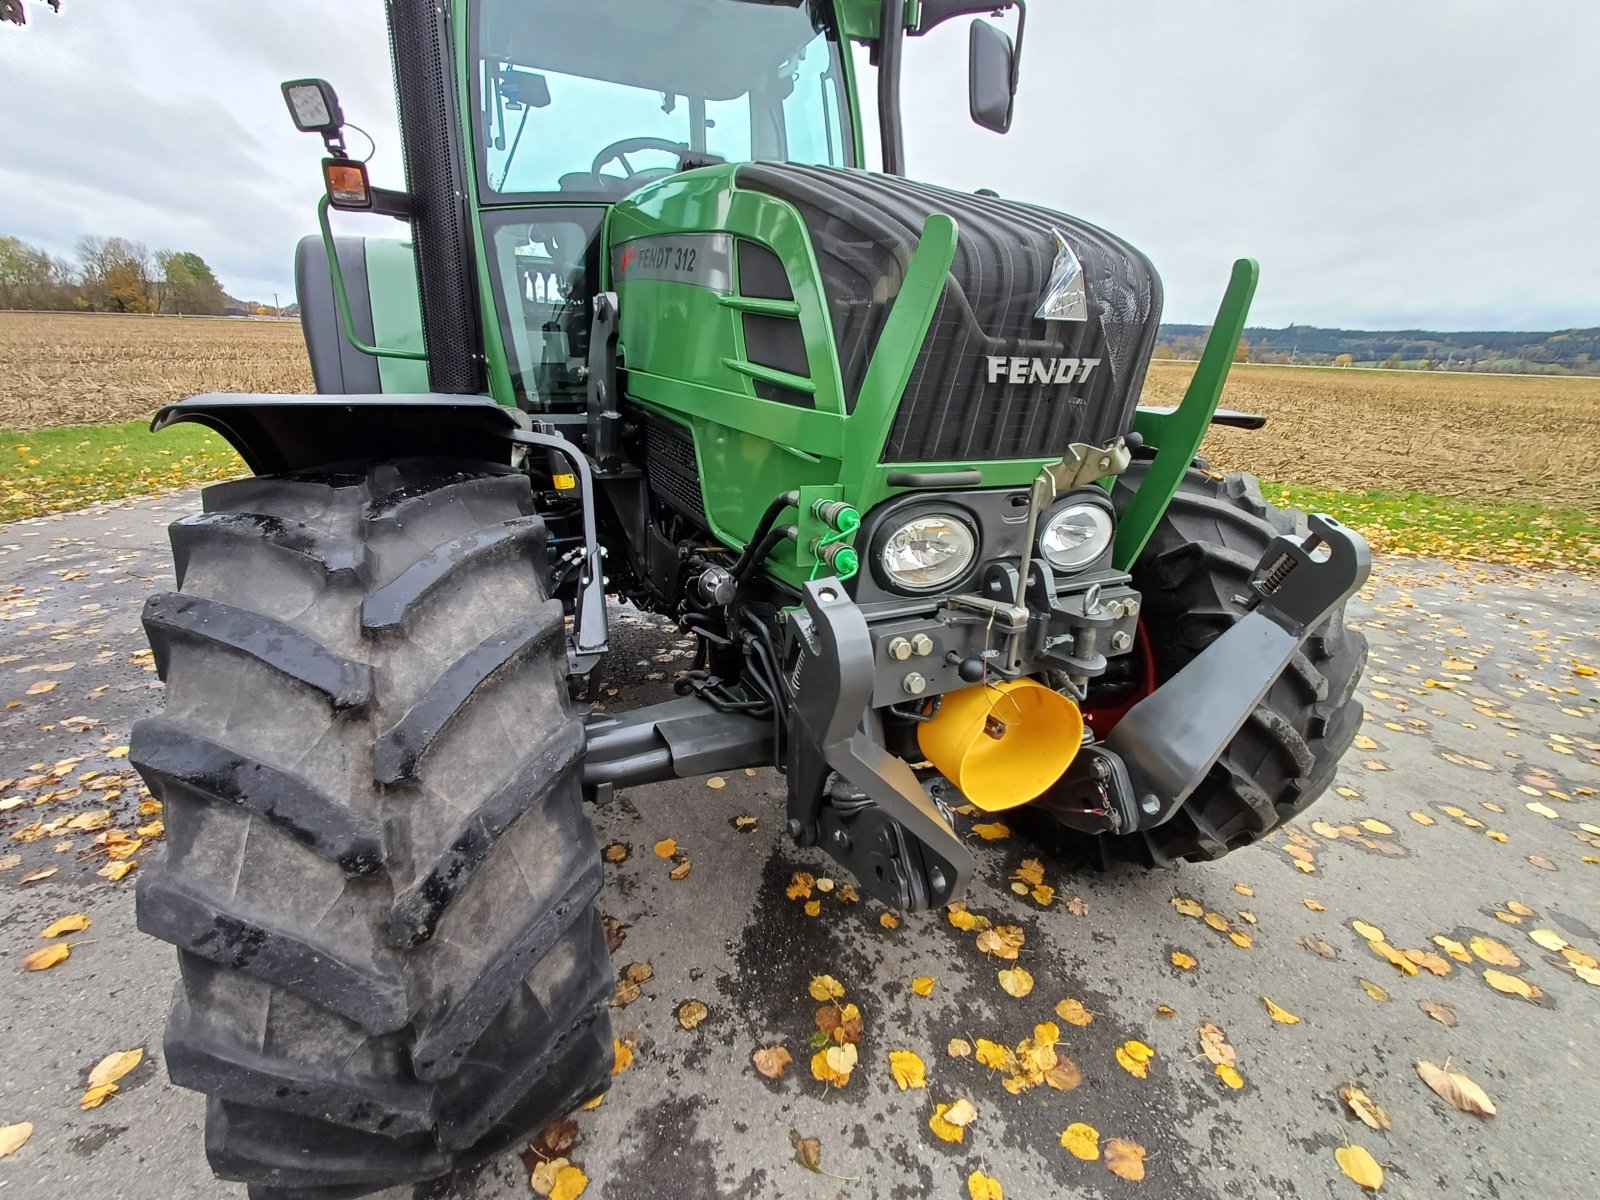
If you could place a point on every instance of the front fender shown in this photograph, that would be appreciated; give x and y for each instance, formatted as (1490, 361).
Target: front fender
(275, 434)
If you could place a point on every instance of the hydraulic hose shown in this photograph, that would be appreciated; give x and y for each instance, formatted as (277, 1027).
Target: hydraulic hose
(779, 502)
(764, 548)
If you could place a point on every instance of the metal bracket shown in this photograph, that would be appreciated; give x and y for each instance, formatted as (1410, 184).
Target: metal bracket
(1080, 466)
(605, 421)
(1173, 737)
(832, 728)
(590, 637)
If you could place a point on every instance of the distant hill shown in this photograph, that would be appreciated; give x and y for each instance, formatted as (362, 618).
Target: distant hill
(1567, 352)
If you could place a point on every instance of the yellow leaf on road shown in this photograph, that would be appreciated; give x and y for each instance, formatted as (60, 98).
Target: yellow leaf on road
(14, 1137)
(1230, 1076)
(1373, 825)
(962, 1113)
(993, 831)
(1016, 982)
(835, 1064)
(922, 985)
(691, 1013)
(1082, 1141)
(943, 1129)
(1457, 1090)
(1280, 1014)
(1373, 990)
(888, 920)
(76, 923)
(570, 1184)
(1511, 985)
(984, 1187)
(114, 1066)
(1453, 948)
(622, 1056)
(1134, 1058)
(96, 1096)
(1188, 908)
(1125, 1159)
(907, 1069)
(1360, 1166)
(1182, 961)
(47, 957)
(993, 1055)
(1074, 1013)
(958, 1048)
(1422, 818)
(772, 1061)
(1494, 952)
(826, 987)
(1371, 932)
(1364, 1107)
(666, 848)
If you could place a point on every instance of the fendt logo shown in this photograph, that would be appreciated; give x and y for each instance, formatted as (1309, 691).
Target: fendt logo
(1050, 371)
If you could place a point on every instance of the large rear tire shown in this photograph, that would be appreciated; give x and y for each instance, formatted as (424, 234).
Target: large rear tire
(1191, 576)
(379, 876)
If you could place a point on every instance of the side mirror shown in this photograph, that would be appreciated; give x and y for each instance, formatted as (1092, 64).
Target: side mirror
(992, 61)
(314, 106)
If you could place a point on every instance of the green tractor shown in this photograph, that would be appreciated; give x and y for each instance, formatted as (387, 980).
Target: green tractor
(655, 334)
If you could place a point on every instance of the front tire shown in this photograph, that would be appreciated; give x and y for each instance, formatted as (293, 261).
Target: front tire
(379, 876)
(1192, 575)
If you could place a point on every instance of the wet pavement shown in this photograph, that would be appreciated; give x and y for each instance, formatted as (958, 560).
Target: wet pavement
(1462, 817)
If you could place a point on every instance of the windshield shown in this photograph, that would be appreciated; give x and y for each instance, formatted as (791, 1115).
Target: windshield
(597, 99)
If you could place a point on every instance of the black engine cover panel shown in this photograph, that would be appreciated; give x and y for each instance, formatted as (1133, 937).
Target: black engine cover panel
(864, 228)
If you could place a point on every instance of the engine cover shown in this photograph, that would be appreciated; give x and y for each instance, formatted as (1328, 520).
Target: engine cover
(993, 381)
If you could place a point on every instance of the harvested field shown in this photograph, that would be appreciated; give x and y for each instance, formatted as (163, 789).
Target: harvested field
(1479, 437)
(89, 369)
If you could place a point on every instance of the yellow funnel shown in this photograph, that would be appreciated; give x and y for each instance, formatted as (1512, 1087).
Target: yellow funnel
(1003, 744)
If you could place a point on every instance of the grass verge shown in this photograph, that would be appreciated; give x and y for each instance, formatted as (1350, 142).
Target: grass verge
(51, 470)
(1425, 525)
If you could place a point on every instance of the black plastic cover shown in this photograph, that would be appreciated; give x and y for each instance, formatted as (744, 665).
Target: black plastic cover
(864, 229)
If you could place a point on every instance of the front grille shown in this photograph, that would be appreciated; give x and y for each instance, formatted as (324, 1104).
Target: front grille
(671, 468)
(864, 229)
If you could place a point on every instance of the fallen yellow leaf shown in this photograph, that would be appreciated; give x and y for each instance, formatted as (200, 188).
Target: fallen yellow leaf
(1373, 990)
(1511, 985)
(1134, 1058)
(993, 831)
(666, 848)
(888, 920)
(1371, 932)
(772, 1061)
(1364, 1107)
(1360, 1166)
(993, 1055)
(1125, 1159)
(1230, 1075)
(1182, 961)
(1280, 1014)
(1081, 1141)
(1187, 907)
(1016, 982)
(570, 1183)
(984, 1187)
(76, 923)
(96, 1096)
(49, 956)
(826, 987)
(114, 1066)
(944, 1129)
(691, 1013)
(907, 1069)
(1422, 818)
(14, 1137)
(922, 985)
(1494, 952)
(622, 1056)
(1074, 1013)
(958, 1048)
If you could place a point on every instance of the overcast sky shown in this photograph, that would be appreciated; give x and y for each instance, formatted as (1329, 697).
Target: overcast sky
(1392, 163)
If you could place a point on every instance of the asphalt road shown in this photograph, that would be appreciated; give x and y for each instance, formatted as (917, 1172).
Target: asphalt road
(1505, 723)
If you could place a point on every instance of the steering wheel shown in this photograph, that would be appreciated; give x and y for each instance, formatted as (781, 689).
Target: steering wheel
(620, 150)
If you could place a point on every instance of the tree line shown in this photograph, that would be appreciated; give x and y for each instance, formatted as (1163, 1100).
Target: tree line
(108, 274)
(1564, 352)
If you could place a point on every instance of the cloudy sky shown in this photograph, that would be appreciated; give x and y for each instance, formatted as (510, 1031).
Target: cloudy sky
(1392, 163)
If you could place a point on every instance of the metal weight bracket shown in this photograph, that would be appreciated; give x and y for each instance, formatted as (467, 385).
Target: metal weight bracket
(883, 826)
(1174, 736)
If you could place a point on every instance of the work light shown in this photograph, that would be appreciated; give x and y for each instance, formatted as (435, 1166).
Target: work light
(1075, 536)
(928, 551)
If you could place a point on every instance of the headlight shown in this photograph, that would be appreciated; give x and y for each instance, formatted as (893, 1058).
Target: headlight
(1076, 536)
(928, 551)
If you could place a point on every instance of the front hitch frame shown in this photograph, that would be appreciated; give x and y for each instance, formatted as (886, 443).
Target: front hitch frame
(876, 819)
(1172, 738)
